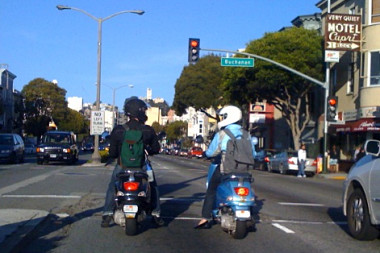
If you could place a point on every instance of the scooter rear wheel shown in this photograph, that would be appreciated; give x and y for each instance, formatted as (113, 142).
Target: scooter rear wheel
(241, 230)
(131, 227)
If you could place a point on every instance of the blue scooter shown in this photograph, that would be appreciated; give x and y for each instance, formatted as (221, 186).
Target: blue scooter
(234, 203)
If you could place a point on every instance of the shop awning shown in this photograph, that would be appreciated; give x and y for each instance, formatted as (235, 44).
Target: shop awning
(361, 125)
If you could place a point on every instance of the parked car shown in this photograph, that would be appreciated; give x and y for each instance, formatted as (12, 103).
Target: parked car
(89, 146)
(30, 149)
(12, 148)
(287, 161)
(262, 158)
(196, 152)
(183, 152)
(104, 146)
(361, 195)
(59, 146)
(175, 151)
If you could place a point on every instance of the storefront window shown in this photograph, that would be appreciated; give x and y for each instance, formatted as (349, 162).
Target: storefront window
(375, 68)
(375, 18)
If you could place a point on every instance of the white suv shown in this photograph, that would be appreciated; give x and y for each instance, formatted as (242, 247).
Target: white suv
(361, 197)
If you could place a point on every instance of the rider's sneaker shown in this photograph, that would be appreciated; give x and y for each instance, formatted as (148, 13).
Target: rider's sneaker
(159, 221)
(106, 220)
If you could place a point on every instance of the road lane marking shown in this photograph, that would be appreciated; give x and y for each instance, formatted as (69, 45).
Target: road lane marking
(42, 196)
(285, 229)
(299, 204)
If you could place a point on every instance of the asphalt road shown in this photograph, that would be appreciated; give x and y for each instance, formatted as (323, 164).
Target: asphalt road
(292, 214)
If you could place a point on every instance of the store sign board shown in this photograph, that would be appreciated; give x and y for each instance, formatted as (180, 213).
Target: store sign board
(343, 32)
(331, 56)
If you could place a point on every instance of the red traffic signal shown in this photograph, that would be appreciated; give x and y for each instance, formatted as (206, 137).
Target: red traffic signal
(194, 43)
(194, 50)
(332, 101)
(332, 104)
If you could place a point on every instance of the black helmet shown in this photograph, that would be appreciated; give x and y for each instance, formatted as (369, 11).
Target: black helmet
(135, 108)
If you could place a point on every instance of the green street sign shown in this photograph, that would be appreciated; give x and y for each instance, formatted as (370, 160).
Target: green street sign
(237, 62)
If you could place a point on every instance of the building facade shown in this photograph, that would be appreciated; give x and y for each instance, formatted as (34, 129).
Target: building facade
(355, 79)
(7, 110)
(75, 103)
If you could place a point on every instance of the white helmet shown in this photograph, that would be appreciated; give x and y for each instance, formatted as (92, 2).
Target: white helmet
(230, 114)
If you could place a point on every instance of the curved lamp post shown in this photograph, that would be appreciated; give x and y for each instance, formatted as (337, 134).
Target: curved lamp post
(113, 100)
(95, 155)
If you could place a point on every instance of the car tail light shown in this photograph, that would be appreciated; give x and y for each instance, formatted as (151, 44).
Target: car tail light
(131, 186)
(266, 159)
(290, 161)
(241, 191)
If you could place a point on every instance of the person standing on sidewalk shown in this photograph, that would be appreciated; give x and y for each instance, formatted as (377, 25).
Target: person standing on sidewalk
(301, 161)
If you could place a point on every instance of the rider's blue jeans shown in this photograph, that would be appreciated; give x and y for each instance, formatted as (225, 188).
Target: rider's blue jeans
(109, 203)
(210, 197)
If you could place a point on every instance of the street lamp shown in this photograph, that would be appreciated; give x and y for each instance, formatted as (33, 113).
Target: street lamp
(113, 99)
(95, 155)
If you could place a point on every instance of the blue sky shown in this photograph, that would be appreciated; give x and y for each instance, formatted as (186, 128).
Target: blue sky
(148, 51)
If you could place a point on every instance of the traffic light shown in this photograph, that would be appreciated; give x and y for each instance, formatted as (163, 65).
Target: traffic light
(332, 104)
(193, 50)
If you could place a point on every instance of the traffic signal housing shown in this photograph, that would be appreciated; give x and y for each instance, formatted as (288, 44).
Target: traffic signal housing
(193, 50)
(332, 104)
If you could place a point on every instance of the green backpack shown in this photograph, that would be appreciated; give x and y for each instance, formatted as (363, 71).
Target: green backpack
(132, 150)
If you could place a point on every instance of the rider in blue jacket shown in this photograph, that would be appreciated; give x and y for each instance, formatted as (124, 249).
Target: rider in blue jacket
(230, 119)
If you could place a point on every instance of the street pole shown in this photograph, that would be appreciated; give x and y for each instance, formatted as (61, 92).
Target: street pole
(96, 155)
(327, 92)
(113, 100)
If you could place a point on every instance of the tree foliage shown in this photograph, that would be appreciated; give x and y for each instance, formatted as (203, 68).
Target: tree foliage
(296, 48)
(199, 85)
(176, 130)
(45, 101)
(74, 122)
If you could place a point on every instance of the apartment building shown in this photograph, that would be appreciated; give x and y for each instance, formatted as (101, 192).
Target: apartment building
(355, 79)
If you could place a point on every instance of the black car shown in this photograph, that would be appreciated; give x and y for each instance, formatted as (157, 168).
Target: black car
(12, 148)
(58, 146)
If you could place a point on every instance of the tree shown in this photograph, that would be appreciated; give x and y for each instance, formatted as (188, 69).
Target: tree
(199, 85)
(157, 127)
(176, 130)
(74, 122)
(44, 101)
(297, 48)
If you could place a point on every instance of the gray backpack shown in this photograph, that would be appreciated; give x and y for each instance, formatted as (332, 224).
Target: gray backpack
(238, 156)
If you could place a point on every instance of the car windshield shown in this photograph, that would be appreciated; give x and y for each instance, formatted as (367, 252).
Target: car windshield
(6, 139)
(56, 138)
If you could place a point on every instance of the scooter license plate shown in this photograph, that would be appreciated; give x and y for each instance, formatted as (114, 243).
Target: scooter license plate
(243, 214)
(130, 208)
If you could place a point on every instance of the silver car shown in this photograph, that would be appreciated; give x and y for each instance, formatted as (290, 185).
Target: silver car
(361, 196)
(287, 161)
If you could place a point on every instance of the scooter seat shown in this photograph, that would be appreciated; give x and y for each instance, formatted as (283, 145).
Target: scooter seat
(237, 176)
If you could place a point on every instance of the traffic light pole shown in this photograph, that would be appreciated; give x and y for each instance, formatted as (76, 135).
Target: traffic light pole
(325, 85)
(326, 126)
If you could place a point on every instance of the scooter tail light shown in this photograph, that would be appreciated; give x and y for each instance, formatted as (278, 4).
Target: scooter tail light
(315, 162)
(131, 186)
(241, 191)
(266, 159)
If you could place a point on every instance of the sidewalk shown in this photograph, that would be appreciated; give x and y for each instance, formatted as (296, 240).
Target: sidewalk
(335, 176)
